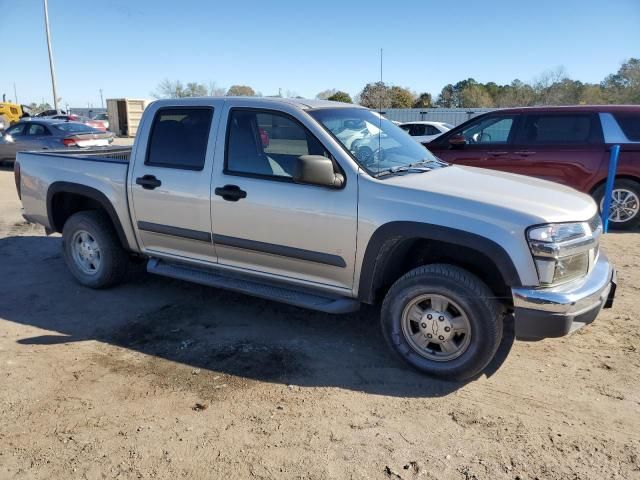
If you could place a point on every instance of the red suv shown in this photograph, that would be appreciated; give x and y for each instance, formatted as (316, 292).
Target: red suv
(568, 145)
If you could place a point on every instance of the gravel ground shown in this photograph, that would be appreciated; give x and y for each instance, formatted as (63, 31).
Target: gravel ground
(163, 379)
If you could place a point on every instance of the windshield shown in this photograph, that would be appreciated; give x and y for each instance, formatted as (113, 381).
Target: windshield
(376, 143)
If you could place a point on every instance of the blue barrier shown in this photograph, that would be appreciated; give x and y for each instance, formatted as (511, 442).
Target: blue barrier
(613, 167)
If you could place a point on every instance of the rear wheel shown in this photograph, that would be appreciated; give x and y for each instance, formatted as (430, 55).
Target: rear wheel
(624, 212)
(92, 250)
(442, 320)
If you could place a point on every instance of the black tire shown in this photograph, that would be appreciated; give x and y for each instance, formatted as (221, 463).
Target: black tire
(113, 258)
(621, 183)
(465, 289)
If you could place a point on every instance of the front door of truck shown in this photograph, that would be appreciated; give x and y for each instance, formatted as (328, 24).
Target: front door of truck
(170, 181)
(262, 220)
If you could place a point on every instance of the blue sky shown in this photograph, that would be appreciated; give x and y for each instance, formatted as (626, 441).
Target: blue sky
(127, 47)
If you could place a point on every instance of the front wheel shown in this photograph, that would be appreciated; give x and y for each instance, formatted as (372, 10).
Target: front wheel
(442, 320)
(624, 212)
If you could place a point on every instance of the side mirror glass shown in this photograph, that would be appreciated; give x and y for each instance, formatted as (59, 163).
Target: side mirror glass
(316, 170)
(457, 140)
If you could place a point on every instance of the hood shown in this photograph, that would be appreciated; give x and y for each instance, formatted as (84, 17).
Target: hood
(462, 188)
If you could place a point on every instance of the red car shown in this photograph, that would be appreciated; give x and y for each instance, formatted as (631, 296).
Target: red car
(97, 124)
(569, 145)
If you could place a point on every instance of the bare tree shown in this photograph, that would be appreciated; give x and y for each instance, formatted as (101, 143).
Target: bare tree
(215, 91)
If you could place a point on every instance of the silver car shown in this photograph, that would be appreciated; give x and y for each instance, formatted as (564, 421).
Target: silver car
(45, 134)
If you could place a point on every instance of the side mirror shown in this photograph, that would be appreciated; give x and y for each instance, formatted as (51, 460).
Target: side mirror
(316, 170)
(457, 141)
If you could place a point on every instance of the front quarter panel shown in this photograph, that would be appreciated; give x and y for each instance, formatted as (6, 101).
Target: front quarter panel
(382, 204)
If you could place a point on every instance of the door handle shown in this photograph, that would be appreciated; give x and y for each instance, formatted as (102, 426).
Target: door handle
(148, 182)
(524, 153)
(231, 193)
(497, 154)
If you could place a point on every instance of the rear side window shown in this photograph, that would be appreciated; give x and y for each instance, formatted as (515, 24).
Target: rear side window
(72, 127)
(561, 129)
(630, 125)
(35, 130)
(179, 138)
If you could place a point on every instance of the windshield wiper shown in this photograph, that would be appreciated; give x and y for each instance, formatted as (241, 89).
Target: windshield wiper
(427, 161)
(402, 169)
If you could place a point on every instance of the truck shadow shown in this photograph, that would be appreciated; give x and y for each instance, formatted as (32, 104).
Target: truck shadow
(205, 328)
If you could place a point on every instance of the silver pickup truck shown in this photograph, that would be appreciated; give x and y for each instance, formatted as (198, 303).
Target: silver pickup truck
(327, 206)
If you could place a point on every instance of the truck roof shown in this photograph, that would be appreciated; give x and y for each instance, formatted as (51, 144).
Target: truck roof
(302, 103)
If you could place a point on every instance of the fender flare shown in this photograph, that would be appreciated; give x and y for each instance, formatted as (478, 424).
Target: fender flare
(386, 237)
(89, 192)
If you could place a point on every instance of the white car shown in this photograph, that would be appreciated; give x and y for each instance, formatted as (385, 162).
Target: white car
(425, 131)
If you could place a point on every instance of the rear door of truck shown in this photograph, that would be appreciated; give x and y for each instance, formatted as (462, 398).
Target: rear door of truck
(169, 183)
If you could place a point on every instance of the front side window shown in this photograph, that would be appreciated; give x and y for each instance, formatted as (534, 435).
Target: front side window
(559, 129)
(179, 138)
(377, 144)
(16, 130)
(489, 130)
(266, 143)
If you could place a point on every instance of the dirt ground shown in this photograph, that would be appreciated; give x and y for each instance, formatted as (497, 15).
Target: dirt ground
(163, 379)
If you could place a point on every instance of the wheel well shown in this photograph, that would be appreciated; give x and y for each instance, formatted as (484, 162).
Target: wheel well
(618, 177)
(403, 255)
(62, 205)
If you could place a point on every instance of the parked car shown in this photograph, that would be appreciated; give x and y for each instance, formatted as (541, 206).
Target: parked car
(425, 131)
(568, 145)
(104, 118)
(446, 251)
(50, 113)
(97, 124)
(49, 134)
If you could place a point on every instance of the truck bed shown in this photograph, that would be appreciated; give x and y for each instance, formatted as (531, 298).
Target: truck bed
(101, 171)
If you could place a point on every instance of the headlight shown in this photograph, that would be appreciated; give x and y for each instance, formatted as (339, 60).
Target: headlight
(564, 251)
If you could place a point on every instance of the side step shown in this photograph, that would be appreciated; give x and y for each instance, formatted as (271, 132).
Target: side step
(270, 291)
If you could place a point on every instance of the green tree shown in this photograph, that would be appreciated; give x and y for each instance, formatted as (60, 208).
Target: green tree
(325, 94)
(475, 96)
(401, 97)
(424, 100)
(241, 90)
(624, 86)
(340, 96)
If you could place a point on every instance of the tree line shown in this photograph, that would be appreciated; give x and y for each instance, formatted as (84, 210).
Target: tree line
(551, 88)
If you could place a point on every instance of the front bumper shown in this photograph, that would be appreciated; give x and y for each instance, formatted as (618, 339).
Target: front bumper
(557, 311)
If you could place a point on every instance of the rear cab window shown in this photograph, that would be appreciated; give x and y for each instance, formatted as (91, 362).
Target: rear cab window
(179, 138)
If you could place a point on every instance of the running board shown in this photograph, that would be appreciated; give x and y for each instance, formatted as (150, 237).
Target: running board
(269, 291)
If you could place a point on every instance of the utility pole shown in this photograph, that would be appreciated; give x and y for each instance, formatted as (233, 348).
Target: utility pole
(53, 71)
(15, 92)
(101, 99)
